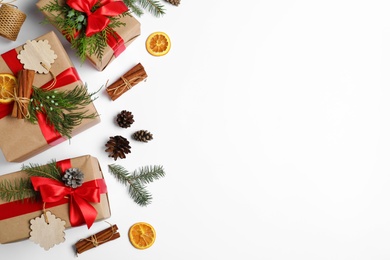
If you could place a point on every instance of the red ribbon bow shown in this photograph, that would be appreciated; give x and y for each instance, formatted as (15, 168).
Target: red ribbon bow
(98, 20)
(80, 209)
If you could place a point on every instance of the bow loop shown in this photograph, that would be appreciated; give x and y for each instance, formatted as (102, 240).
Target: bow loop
(98, 20)
(80, 209)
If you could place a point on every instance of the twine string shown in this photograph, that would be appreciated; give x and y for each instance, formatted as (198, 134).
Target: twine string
(10, 28)
(44, 213)
(95, 241)
(21, 102)
(2, 2)
(126, 85)
(54, 82)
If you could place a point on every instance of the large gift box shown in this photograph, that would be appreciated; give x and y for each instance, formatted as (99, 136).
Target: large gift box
(15, 215)
(19, 139)
(117, 42)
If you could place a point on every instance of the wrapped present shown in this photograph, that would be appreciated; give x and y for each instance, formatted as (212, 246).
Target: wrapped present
(20, 139)
(87, 28)
(76, 206)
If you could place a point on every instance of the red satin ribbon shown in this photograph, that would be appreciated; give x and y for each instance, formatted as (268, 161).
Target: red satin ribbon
(55, 193)
(98, 20)
(116, 43)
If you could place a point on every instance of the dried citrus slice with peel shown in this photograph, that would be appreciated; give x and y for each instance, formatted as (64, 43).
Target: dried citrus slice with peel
(7, 86)
(158, 43)
(142, 235)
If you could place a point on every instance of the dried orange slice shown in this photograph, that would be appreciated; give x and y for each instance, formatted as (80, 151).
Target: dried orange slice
(7, 86)
(142, 235)
(158, 44)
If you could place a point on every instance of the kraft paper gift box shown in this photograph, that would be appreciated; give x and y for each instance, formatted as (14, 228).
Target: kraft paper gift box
(19, 139)
(124, 36)
(15, 216)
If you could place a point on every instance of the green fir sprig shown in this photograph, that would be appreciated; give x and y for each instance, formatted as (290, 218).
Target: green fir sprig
(135, 181)
(19, 189)
(49, 170)
(22, 188)
(63, 109)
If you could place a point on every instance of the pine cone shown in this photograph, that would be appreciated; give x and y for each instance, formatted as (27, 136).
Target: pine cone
(125, 119)
(143, 136)
(118, 146)
(174, 2)
(73, 177)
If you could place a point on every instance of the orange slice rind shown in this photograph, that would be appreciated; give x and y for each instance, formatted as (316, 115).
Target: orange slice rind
(142, 235)
(158, 43)
(7, 87)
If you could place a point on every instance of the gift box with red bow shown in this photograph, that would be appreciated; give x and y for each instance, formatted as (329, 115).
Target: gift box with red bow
(19, 139)
(78, 206)
(91, 21)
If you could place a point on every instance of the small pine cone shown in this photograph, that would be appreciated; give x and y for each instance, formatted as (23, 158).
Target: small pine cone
(143, 136)
(118, 146)
(73, 177)
(125, 119)
(174, 2)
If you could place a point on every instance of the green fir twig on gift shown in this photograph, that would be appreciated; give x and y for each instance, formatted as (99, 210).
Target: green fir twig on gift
(73, 24)
(63, 109)
(17, 190)
(135, 181)
(22, 188)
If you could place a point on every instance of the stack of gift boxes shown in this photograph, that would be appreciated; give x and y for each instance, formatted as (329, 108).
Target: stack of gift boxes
(32, 139)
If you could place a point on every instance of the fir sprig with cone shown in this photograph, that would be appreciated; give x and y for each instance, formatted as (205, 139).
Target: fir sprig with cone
(72, 24)
(135, 181)
(63, 109)
(22, 188)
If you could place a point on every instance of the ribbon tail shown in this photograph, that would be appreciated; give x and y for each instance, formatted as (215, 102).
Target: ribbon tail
(81, 212)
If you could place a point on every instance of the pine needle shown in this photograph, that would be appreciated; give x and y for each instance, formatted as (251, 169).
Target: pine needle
(62, 108)
(49, 170)
(135, 181)
(17, 190)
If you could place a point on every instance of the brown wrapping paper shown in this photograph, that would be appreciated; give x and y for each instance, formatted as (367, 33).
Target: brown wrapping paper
(20, 140)
(128, 33)
(18, 228)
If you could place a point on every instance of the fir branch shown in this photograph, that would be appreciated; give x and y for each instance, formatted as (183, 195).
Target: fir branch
(153, 6)
(133, 7)
(62, 108)
(18, 190)
(135, 181)
(49, 170)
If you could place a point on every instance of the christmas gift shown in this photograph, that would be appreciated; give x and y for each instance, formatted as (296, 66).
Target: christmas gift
(98, 30)
(53, 72)
(78, 196)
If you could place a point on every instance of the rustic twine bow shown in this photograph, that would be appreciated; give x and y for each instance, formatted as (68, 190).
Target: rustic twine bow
(21, 102)
(126, 85)
(94, 238)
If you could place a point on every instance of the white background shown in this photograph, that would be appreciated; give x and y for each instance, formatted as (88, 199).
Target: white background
(272, 121)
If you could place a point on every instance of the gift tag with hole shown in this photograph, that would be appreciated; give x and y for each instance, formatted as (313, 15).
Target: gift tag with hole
(47, 232)
(38, 56)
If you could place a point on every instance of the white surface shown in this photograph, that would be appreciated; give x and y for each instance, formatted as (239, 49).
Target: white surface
(271, 119)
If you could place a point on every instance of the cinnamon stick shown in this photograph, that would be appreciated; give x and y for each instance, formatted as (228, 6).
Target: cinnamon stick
(23, 93)
(127, 81)
(99, 238)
